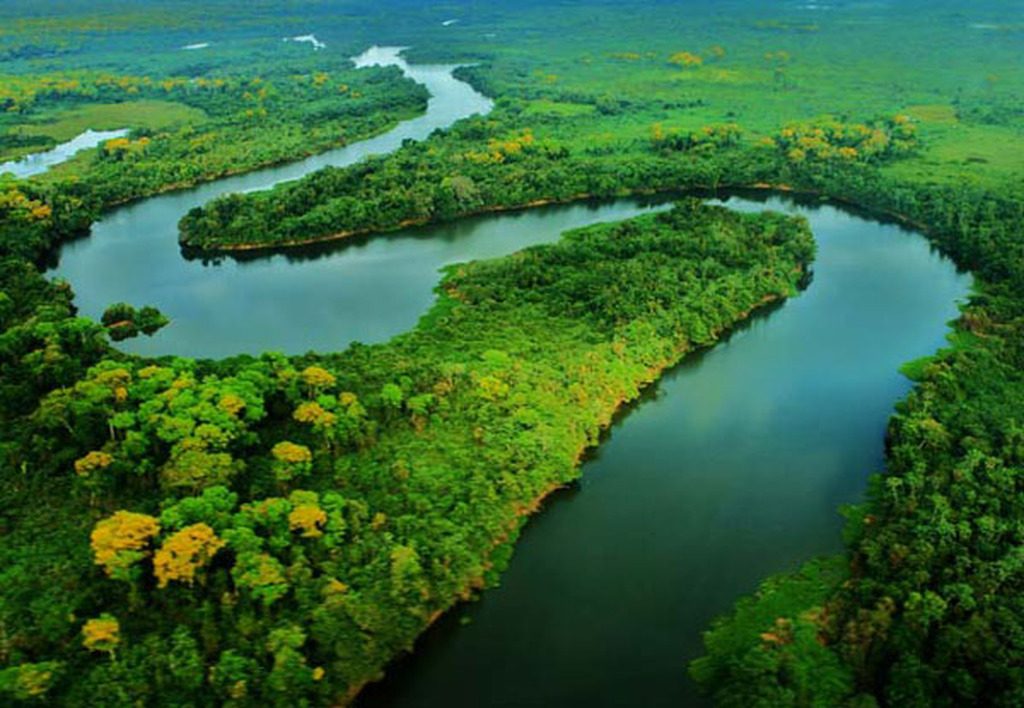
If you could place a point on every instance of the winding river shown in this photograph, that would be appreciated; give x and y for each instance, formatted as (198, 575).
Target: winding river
(229, 307)
(730, 469)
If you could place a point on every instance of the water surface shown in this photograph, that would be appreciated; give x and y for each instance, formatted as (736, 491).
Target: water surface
(231, 307)
(40, 162)
(731, 469)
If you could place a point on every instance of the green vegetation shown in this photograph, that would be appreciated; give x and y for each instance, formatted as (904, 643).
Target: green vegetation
(318, 512)
(60, 126)
(928, 612)
(481, 164)
(190, 129)
(769, 652)
(124, 321)
(276, 530)
(139, 115)
(494, 162)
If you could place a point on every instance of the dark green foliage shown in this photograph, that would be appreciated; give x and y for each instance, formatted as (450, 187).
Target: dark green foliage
(598, 279)
(770, 652)
(124, 321)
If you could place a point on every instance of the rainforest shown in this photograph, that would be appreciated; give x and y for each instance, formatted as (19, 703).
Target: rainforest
(511, 354)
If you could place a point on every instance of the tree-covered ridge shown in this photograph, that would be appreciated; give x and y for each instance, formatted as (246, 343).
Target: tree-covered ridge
(498, 162)
(318, 512)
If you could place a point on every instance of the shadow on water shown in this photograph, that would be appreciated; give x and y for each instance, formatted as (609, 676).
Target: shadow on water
(459, 228)
(691, 362)
(447, 231)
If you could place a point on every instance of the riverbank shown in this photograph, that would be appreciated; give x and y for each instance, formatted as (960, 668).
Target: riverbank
(582, 428)
(764, 188)
(258, 166)
(733, 466)
(439, 443)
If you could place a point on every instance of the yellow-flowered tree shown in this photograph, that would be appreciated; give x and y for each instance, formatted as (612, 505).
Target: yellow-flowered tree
(316, 380)
(184, 553)
(102, 634)
(120, 541)
(291, 461)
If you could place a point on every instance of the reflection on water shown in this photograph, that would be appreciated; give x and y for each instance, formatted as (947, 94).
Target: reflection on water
(319, 298)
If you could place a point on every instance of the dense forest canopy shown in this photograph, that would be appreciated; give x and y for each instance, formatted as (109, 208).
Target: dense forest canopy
(277, 529)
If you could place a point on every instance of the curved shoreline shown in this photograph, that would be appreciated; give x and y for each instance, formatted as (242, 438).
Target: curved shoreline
(525, 511)
(419, 677)
(270, 164)
(388, 138)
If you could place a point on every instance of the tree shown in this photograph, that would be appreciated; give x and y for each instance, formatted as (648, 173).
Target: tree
(407, 579)
(291, 461)
(290, 675)
(102, 634)
(91, 462)
(234, 675)
(184, 553)
(121, 541)
(29, 681)
(685, 59)
(317, 379)
(262, 576)
(391, 396)
(123, 321)
(308, 519)
(196, 469)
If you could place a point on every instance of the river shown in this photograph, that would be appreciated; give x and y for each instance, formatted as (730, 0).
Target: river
(730, 469)
(39, 162)
(132, 255)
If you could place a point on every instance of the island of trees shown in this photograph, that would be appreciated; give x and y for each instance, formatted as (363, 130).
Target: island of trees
(277, 529)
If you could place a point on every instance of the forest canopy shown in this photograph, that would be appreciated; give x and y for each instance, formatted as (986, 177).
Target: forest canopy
(276, 529)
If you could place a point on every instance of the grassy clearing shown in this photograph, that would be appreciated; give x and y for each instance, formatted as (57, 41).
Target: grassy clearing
(152, 115)
(559, 109)
(954, 152)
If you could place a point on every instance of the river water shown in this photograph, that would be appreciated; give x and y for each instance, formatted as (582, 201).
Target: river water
(234, 306)
(39, 162)
(730, 469)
